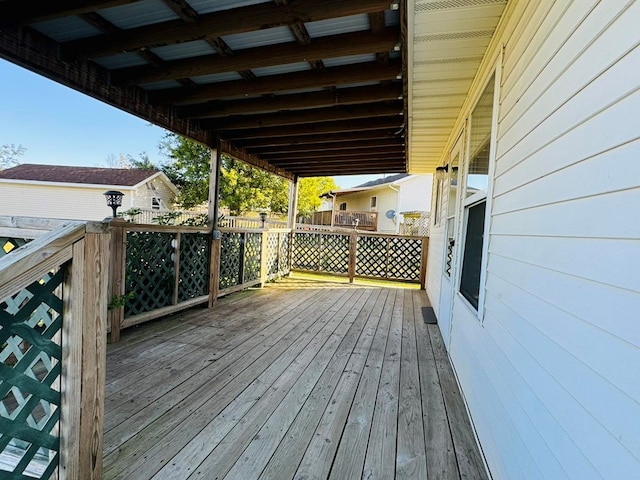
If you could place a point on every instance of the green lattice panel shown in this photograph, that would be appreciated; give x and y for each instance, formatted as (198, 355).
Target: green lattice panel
(231, 247)
(150, 271)
(306, 252)
(371, 256)
(252, 256)
(30, 355)
(195, 251)
(334, 253)
(9, 244)
(404, 258)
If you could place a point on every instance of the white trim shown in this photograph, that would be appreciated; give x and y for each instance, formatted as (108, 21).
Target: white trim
(66, 184)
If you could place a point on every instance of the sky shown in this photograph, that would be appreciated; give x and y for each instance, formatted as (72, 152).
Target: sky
(59, 126)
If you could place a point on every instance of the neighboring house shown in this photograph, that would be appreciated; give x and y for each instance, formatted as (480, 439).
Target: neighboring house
(386, 200)
(535, 241)
(76, 193)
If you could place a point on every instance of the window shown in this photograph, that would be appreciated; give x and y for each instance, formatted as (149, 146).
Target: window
(343, 206)
(373, 203)
(155, 203)
(476, 182)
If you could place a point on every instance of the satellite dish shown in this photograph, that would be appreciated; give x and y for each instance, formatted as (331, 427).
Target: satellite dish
(390, 214)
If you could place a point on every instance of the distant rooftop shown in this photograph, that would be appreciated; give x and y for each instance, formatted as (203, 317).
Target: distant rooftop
(382, 181)
(82, 175)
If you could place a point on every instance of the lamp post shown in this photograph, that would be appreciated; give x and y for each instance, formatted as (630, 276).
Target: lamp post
(263, 218)
(114, 200)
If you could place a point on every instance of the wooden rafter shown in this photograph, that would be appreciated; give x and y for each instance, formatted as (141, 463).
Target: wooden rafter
(329, 147)
(331, 138)
(326, 47)
(218, 24)
(19, 12)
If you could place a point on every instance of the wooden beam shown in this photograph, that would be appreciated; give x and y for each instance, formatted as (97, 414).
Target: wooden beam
(19, 12)
(342, 75)
(330, 138)
(228, 148)
(218, 24)
(288, 162)
(297, 101)
(328, 147)
(280, 158)
(350, 171)
(333, 46)
(181, 8)
(316, 128)
(347, 112)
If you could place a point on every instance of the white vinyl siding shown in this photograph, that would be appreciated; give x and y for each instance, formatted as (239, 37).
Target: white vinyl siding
(551, 377)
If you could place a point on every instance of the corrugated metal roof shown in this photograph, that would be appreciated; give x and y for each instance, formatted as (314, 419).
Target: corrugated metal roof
(162, 85)
(122, 60)
(259, 38)
(183, 50)
(207, 6)
(137, 14)
(216, 78)
(278, 69)
(336, 26)
(64, 29)
(350, 60)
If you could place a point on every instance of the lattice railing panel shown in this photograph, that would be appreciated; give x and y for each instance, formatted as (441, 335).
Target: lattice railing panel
(30, 356)
(273, 254)
(372, 256)
(231, 248)
(252, 256)
(9, 244)
(150, 271)
(283, 255)
(334, 253)
(195, 254)
(306, 252)
(404, 258)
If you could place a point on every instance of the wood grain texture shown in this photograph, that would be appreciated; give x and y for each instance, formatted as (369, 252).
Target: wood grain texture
(300, 379)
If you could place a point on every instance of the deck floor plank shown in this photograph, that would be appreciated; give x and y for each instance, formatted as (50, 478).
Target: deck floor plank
(308, 380)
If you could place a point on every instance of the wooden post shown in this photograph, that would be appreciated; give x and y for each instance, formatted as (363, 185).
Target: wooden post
(264, 255)
(353, 245)
(84, 363)
(423, 263)
(293, 203)
(116, 288)
(214, 270)
(214, 185)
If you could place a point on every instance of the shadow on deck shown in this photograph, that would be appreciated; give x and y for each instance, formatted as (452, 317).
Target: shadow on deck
(298, 380)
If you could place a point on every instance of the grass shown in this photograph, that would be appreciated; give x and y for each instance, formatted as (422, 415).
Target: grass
(325, 277)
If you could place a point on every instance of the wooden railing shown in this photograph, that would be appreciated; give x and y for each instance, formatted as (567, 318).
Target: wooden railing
(354, 254)
(250, 223)
(157, 270)
(358, 220)
(52, 347)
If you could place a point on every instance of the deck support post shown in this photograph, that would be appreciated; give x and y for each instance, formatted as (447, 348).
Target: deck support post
(353, 245)
(264, 251)
(293, 203)
(423, 263)
(116, 285)
(214, 189)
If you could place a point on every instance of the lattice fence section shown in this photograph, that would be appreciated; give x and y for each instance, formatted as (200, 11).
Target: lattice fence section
(252, 256)
(195, 254)
(9, 244)
(150, 271)
(306, 251)
(321, 252)
(277, 254)
(30, 356)
(394, 258)
(231, 259)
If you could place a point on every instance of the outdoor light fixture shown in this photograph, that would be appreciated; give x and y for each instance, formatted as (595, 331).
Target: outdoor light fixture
(442, 171)
(263, 218)
(114, 200)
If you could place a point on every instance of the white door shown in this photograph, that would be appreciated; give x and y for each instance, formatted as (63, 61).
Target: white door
(448, 265)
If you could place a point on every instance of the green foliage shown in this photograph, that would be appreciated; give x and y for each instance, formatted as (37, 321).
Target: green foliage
(168, 218)
(130, 215)
(9, 154)
(309, 191)
(119, 301)
(199, 220)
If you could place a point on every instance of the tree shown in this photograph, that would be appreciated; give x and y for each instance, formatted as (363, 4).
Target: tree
(309, 191)
(9, 154)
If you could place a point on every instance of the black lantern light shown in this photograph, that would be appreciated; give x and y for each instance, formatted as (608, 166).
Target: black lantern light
(114, 200)
(263, 218)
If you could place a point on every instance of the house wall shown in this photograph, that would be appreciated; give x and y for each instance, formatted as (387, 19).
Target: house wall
(550, 372)
(155, 188)
(56, 202)
(387, 200)
(415, 193)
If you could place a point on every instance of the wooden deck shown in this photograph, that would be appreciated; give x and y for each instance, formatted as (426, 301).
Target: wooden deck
(298, 380)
